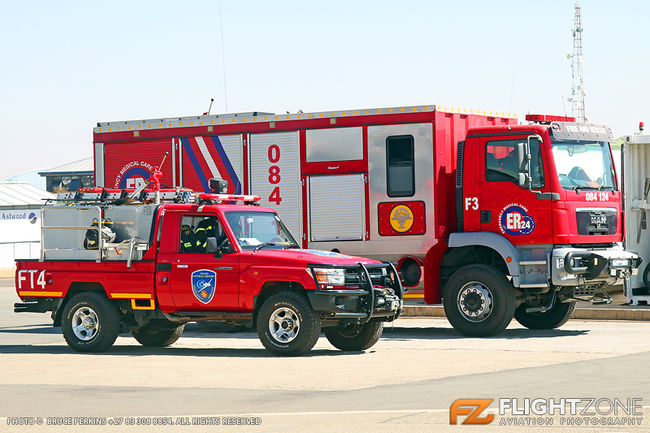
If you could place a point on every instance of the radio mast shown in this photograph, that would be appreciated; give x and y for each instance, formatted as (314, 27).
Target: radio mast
(578, 91)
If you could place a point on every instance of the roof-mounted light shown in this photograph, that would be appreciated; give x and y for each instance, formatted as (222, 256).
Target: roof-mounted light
(548, 118)
(220, 198)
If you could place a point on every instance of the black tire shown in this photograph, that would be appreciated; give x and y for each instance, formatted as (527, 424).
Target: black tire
(553, 318)
(212, 326)
(90, 322)
(646, 276)
(355, 337)
(158, 334)
(300, 324)
(479, 301)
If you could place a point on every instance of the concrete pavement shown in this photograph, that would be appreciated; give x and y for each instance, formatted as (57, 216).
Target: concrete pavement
(406, 382)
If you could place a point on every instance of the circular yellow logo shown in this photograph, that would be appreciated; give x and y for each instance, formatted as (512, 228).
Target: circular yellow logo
(401, 218)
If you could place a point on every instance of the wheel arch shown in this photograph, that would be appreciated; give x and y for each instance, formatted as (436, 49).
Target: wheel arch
(485, 248)
(275, 286)
(74, 289)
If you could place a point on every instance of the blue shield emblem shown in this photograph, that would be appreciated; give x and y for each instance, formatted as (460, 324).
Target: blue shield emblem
(204, 282)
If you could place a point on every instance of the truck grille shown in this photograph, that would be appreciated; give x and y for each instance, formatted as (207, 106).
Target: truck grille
(353, 277)
(596, 222)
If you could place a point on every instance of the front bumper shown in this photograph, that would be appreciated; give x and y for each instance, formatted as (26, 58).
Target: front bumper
(580, 266)
(363, 302)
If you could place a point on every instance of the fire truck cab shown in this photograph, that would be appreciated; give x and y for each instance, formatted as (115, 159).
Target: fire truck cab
(539, 225)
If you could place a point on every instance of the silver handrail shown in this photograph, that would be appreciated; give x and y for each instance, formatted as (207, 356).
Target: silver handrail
(97, 215)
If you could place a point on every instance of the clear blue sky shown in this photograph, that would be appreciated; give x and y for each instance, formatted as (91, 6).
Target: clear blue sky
(69, 64)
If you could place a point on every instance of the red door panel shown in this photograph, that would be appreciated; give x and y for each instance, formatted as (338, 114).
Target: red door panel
(506, 208)
(201, 282)
(197, 281)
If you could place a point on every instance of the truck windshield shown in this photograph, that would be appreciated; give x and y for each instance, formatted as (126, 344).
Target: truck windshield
(256, 229)
(584, 165)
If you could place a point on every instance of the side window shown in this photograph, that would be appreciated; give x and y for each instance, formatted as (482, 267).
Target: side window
(195, 231)
(400, 166)
(501, 162)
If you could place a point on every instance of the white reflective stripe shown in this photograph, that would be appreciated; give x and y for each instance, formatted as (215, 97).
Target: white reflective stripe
(208, 158)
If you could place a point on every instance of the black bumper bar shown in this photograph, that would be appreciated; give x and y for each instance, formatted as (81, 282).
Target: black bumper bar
(591, 264)
(364, 301)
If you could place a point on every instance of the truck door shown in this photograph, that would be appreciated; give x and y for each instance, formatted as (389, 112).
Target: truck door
(506, 208)
(200, 281)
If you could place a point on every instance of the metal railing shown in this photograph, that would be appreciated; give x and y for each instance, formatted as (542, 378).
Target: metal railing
(79, 252)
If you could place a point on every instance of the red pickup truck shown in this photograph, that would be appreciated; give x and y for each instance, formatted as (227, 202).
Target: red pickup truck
(149, 268)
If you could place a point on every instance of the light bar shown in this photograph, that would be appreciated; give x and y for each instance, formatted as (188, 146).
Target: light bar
(230, 197)
(548, 118)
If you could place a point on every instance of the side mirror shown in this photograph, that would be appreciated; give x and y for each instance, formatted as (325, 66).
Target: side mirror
(523, 161)
(522, 179)
(211, 246)
(523, 157)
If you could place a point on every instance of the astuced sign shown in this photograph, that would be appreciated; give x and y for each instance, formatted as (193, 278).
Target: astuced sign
(30, 215)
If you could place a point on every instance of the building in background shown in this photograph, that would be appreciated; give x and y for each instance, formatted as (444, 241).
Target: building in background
(70, 176)
(20, 223)
(29, 176)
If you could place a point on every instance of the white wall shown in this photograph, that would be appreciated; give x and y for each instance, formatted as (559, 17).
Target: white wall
(20, 237)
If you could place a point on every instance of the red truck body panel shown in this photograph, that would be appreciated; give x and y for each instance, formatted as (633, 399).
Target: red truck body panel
(118, 281)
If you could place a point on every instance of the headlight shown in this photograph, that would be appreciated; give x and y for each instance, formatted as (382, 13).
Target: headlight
(619, 263)
(329, 276)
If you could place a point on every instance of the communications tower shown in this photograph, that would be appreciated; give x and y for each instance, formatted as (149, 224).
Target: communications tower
(578, 91)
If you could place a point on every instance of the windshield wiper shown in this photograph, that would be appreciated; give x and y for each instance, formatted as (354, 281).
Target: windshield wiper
(292, 246)
(265, 244)
(577, 187)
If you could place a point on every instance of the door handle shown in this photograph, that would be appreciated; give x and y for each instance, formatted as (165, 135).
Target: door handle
(332, 167)
(181, 266)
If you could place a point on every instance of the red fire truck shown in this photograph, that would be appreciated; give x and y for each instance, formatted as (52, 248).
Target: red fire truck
(150, 266)
(495, 218)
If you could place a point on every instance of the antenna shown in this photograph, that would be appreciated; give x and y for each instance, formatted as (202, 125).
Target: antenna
(223, 61)
(577, 91)
(209, 108)
(563, 106)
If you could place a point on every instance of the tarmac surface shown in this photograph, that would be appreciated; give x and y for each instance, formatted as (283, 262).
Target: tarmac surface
(406, 382)
(617, 309)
